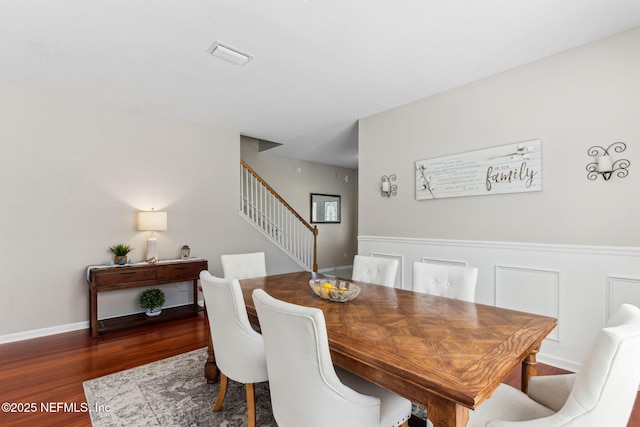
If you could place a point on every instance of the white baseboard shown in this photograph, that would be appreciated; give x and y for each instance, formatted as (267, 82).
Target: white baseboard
(559, 363)
(37, 333)
(330, 269)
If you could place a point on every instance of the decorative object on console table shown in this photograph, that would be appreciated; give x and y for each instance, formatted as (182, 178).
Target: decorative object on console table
(152, 221)
(152, 300)
(185, 252)
(120, 252)
(604, 164)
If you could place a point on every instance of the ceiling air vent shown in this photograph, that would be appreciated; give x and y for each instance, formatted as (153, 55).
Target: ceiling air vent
(229, 53)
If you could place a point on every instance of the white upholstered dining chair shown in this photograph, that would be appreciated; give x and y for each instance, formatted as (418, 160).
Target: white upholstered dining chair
(239, 350)
(380, 271)
(243, 266)
(305, 387)
(602, 393)
(553, 390)
(449, 281)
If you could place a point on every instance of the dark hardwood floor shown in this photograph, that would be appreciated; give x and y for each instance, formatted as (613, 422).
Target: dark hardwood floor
(51, 370)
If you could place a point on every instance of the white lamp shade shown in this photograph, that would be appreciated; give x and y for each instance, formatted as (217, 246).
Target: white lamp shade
(152, 221)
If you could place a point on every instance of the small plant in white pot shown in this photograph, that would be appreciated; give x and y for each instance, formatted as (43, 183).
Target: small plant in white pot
(152, 300)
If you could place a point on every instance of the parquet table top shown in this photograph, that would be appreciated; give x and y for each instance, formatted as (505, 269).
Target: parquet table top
(432, 350)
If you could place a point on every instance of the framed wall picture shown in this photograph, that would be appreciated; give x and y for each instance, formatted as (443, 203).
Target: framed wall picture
(325, 209)
(513, 168)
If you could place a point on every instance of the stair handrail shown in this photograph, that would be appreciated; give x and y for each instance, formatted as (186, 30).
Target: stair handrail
(313, 229)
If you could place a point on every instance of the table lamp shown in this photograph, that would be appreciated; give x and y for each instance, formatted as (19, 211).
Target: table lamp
(152, 221)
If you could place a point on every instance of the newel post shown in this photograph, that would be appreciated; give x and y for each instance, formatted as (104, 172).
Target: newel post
(315, 249)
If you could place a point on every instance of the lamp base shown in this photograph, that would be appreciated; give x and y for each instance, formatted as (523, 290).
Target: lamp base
(153, 248)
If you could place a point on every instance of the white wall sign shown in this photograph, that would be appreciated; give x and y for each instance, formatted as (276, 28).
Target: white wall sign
(513, 168)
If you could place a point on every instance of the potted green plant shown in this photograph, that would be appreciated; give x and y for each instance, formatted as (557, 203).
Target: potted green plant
(152, 300)
(120, 252)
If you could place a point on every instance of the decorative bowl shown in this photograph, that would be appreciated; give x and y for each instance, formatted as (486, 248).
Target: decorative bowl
(334, 289)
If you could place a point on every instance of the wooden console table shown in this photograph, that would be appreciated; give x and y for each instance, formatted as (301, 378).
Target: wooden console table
(104, 279)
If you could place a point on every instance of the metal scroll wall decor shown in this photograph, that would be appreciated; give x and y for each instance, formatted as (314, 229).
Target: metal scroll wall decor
(604, 164)
(512, 168)
(387, 189)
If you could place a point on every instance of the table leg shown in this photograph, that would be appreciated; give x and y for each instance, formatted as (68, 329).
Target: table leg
(93, 313)
(195, 292)
(529, 369)
(211, 372)
(446, 413)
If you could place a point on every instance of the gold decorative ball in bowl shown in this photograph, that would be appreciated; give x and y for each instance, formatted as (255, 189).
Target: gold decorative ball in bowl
(334, 289)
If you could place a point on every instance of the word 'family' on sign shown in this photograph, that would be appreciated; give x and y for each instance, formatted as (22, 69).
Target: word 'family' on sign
(522, 173)
(512, 168)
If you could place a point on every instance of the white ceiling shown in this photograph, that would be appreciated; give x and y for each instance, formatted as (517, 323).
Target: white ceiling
(318, 65)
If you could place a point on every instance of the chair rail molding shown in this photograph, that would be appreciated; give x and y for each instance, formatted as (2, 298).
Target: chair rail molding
(580, 285)
(545, 247)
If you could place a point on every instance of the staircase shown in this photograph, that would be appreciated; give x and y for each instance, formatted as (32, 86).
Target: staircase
(263, 207)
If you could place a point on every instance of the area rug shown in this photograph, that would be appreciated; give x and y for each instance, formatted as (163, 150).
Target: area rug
(171, 392)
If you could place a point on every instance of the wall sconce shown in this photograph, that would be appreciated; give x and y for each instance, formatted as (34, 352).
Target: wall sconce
(604, 165)
(387, 189)
(152, 221)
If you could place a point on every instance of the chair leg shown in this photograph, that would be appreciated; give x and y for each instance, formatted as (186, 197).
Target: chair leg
(251, 405)
(222, 392)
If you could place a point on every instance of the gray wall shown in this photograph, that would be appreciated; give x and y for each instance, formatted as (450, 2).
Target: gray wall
(570, 251)
(571, 101)
(295, 179)
(74, 173)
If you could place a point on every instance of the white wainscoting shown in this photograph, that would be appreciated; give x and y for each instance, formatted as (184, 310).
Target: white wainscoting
(579, 285)
(525, 289)
(622, 290)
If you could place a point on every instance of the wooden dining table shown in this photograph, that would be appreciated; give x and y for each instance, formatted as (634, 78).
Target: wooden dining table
(445, 354)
